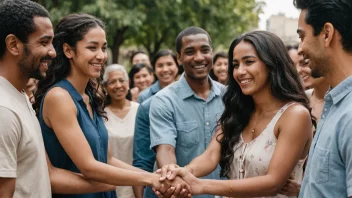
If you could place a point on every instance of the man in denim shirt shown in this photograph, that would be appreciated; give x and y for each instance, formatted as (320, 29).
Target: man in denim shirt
(325, 30)
(183, 116)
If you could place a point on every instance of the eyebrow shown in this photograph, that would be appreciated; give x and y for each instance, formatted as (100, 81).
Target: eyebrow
(246, 57)
(46, 37)
(95, 42)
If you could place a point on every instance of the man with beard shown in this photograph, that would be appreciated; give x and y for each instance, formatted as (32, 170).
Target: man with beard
(184, 115)
(26, 49)
(325, 30)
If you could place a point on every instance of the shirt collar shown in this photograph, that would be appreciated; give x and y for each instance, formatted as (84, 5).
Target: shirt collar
(71, 89)
(186, 91)
(155, 87)
(340, 91)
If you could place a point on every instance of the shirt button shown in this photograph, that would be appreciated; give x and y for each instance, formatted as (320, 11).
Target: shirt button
(323, 116)
(325, 109)
(207, 123)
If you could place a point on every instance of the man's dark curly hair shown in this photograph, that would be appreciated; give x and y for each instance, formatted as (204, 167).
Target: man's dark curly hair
(17, 18)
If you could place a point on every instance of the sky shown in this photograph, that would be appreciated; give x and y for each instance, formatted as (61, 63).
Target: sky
(277, 6)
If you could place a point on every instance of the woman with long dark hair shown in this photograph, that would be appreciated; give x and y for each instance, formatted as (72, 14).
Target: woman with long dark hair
(265, 129)
(71, 112)
(220, 68)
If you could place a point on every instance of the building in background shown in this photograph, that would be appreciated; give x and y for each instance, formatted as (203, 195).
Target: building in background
(284, 27)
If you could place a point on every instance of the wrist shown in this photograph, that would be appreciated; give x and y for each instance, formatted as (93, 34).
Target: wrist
(189, 168)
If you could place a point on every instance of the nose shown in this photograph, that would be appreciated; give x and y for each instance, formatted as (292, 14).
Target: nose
(100, 54)
(52, 52)
(165, 68)
(198, 56)
(241, 70)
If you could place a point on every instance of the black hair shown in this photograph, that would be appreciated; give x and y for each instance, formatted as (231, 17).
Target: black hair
(136, 53)
(336, 12)
(285, 85)
(216, 56)
(17, 18)
(189, 31)
(70, 30)
(135, 69)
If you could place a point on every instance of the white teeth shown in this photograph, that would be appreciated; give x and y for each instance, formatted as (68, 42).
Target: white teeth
(245, 81)
(199, 66)
(96, 65)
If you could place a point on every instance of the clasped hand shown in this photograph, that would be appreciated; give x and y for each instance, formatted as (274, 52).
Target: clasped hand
(175, 182)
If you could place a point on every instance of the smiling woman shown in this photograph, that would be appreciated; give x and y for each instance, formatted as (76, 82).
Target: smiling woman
(71, 112)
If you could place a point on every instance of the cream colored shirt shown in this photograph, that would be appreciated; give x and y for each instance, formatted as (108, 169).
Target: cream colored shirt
(121, 131)
(22, 152)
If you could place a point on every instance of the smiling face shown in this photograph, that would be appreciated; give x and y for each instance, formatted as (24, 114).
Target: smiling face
(249, 72)
(220, 68)
(196, 56)
(166, 70)
(311, 47)
(142, 79)
(38, 51)
(117, 85)
(90, 53)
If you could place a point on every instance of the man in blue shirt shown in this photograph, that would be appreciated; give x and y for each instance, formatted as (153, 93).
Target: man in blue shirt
(184, 115)
(325, 30)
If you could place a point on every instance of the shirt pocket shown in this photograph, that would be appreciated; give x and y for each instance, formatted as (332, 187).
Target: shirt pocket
(320, 165)
(187, 135)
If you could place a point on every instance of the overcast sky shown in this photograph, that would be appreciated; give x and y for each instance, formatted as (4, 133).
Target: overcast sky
(277, 6)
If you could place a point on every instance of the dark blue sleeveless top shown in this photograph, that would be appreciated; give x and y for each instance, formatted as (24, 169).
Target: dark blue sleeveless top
(94, 131)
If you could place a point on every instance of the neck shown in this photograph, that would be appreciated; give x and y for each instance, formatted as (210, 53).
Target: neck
(118, 104)
(12, 73)
(163, 85)
(341, 68)
(200, 87)
(265, 101)
(320, 90)
(79, 82)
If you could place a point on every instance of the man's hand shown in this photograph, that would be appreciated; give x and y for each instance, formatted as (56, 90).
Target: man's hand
(291, 188)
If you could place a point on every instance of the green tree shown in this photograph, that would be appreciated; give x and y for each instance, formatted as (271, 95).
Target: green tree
(154, 24)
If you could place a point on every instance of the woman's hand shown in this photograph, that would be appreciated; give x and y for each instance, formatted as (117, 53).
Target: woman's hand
(291, 188)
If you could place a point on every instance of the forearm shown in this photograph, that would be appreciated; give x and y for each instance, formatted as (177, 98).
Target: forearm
(66, 182)
(105, 173)
(120, 164)
(202, 165)
(138, 191)
(250, 187)
(165, 157)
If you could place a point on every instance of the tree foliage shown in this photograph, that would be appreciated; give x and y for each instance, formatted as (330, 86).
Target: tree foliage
(154, 24)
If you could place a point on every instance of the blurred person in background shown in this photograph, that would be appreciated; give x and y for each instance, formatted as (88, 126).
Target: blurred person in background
(141, 77)
(220, 67)
(121, 114)
(165, 67)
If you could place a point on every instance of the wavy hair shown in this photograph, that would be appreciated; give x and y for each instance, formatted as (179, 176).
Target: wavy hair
(284, 81)
(70, 30)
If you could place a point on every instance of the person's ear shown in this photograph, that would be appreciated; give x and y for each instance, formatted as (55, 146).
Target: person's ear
(13, 45)
(68, 51)
(328, 33)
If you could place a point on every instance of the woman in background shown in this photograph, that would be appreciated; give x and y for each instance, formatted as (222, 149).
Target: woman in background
(220, 67)
(121, 114)
(141, 77)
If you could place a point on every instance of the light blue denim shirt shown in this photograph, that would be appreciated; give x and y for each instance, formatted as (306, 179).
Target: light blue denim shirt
(182, 119)
(329, 169)
(149, 92)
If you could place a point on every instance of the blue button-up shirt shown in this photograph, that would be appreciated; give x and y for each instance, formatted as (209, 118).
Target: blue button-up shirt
(329, 169)
(149, 92)
(182, 119)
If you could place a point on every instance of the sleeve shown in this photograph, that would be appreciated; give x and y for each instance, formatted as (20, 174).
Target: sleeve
(143, 156)
(345, 147)
(162, 124)
(10, 134)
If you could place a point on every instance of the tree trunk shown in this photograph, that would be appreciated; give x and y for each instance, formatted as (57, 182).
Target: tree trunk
(119, 38)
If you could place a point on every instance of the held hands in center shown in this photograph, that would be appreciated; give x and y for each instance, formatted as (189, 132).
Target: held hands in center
(172, 172)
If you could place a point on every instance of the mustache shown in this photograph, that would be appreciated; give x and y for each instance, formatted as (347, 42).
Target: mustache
(46, 58)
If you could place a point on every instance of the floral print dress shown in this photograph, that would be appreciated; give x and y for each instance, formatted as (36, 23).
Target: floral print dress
(252, 159)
